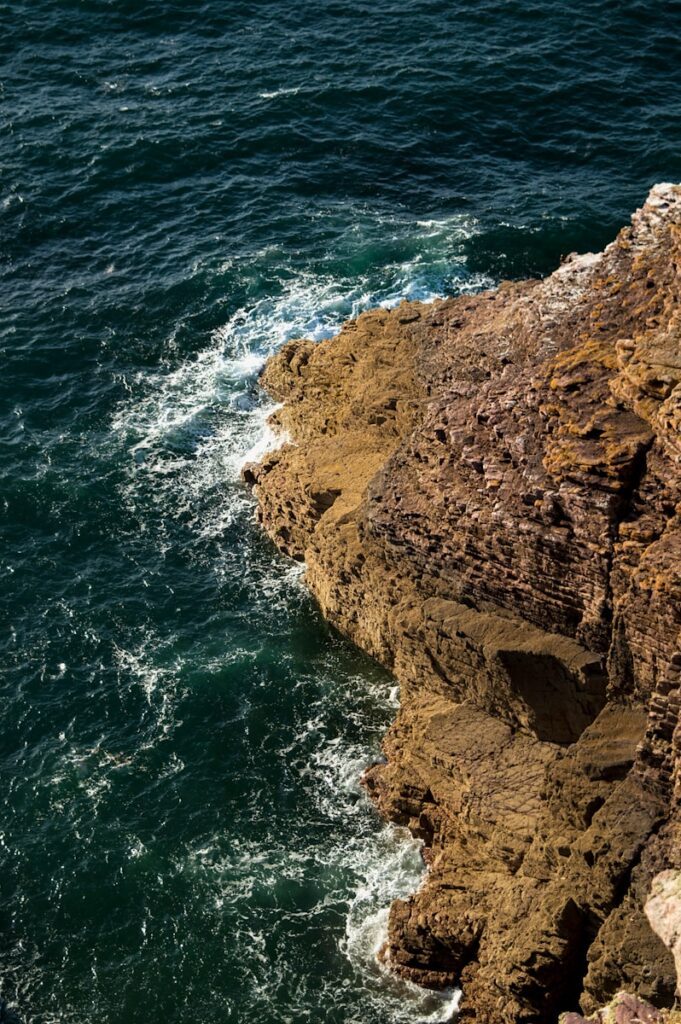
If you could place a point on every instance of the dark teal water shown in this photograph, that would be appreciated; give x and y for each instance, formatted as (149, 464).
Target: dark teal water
(183, 186)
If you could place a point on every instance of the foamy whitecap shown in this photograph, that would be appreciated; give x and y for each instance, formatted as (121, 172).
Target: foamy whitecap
(291, 91)
(269, 439)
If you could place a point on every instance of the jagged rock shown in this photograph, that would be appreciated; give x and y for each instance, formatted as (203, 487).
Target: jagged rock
(486, 492)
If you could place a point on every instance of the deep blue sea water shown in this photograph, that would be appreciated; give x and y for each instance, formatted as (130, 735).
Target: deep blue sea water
(183, 186)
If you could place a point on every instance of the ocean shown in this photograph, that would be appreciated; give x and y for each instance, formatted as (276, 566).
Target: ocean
(186, 184)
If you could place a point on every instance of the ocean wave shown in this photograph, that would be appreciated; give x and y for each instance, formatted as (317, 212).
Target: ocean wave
(291, 91)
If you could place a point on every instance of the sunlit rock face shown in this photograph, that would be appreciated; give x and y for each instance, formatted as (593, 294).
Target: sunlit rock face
(486, 493)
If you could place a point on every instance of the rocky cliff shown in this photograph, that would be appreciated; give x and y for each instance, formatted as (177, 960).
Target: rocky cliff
(486, 492)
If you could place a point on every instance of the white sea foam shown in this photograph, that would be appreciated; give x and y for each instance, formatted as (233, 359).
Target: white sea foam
(291, 91)
(393, 870)
(185, 401)
(187, 430)
(269, 439)
(386, 863)
(248, 879)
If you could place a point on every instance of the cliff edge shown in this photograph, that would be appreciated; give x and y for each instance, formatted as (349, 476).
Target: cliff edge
(486, 492)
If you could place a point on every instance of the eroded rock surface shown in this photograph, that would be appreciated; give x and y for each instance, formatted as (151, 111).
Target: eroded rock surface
(486, 493)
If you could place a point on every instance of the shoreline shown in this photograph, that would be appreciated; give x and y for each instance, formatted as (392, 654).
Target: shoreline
(482, 490)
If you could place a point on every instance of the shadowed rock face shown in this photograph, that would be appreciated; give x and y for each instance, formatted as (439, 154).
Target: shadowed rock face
(486, 492)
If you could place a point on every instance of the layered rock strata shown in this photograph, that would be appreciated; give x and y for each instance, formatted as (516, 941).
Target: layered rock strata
(486, 493)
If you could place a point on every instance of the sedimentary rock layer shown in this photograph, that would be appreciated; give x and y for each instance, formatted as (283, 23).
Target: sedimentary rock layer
(486, 493)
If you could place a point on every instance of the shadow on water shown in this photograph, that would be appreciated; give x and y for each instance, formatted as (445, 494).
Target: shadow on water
(507, 252)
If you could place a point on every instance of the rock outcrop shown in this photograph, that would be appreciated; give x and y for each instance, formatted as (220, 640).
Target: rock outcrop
(486, 491)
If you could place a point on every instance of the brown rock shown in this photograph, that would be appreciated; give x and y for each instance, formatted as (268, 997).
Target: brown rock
(486, 492)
